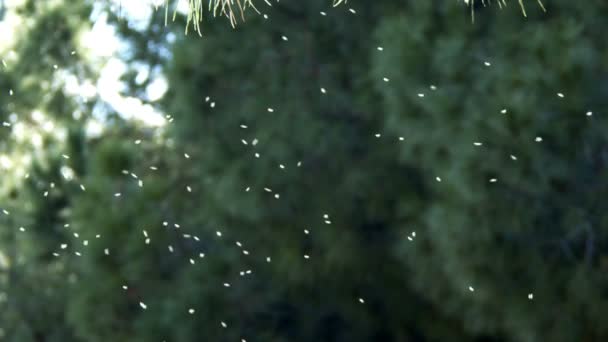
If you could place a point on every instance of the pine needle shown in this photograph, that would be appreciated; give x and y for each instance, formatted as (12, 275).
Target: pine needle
(231, 9)
(501, 4)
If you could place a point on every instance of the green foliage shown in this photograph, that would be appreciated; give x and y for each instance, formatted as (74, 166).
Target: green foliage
(539, 229)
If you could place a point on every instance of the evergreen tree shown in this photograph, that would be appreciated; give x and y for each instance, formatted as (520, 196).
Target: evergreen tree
(396, 173)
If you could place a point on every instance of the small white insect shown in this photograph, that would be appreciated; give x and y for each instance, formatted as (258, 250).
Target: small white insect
(143, 306)
(471, 289)
(191, 311)
(530, 296)
(380, 48)
(538, 139)
(361, 301)
(560, 95)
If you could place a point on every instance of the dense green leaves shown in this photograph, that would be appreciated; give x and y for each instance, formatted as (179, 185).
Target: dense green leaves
(396, 175)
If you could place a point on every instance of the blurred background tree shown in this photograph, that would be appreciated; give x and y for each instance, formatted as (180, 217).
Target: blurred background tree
(390, 173)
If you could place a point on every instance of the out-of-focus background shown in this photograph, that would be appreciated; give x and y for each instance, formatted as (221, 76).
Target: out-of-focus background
(376, 171)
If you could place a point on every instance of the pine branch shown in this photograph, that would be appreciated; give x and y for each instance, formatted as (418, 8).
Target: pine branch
(231, 9)
(501, 4)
